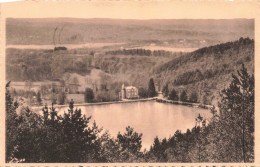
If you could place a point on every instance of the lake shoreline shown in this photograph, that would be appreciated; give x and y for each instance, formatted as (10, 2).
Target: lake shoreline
(196, 105)
(97, 103)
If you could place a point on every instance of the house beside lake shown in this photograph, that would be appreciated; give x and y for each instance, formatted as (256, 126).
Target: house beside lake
(128, 92)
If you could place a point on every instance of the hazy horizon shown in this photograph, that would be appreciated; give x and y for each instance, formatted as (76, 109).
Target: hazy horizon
(179, 33)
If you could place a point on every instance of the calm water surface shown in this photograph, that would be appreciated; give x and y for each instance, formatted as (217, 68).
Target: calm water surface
(149, 118)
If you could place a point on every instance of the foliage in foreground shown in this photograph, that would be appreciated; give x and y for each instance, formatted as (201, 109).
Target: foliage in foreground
(228, 137)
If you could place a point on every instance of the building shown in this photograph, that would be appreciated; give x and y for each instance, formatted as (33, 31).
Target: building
(128, 92)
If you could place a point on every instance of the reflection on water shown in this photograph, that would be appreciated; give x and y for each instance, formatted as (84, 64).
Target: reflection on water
(149, 118)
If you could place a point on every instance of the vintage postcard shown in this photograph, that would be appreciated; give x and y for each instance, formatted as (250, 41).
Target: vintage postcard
(129, 83)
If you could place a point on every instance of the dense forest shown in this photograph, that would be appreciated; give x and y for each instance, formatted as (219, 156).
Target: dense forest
(140, 52)
(69, 137)
(206, 69)
(39, 65)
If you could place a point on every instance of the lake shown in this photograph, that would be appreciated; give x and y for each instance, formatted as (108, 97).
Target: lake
(149, 118)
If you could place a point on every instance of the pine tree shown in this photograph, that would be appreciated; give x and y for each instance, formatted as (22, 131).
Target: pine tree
(78, 137)
(234, 127)
(183, 96)
(39, 100)
(151, 88)
(130, 144)
(11, 125)
(193, 97)
(130, 140)
(165, 91)
(173, 95)
(28, 140)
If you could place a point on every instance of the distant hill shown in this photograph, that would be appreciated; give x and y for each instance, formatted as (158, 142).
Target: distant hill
(176, 33)
(207, 70)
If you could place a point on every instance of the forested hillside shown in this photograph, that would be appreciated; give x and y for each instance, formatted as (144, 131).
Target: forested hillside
(46, 65)
(39, 65)
(207, 69)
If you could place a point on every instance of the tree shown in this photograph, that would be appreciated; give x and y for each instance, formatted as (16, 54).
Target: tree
(158, 149)
(29, 136)
(130, 141)
(173, 95)
(151, 88)
(165, 91)
(61, 98)
(142, 93)
(231, 137)
(193, 97)
(89, 95)
(206, 98)
(183, 96)
(24, 72)
(236, 119)
(78, 139)
(52, 140)
(38, 98)
(105, 96)
(11, 125)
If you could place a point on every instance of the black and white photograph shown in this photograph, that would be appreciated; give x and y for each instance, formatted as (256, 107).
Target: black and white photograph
(129, 90)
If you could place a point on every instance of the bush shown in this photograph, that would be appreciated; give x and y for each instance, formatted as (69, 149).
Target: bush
(89, 95)
(106, 96)
(143, 93)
